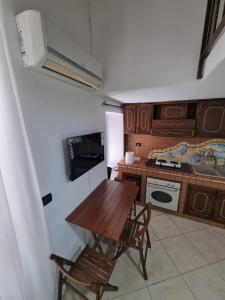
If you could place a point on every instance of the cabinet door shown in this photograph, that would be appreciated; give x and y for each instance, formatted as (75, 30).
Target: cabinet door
(136, 179)
(211, 119)
(174, 111)
(130, 118)
(219, 208)
(144, 118)
(200, 202)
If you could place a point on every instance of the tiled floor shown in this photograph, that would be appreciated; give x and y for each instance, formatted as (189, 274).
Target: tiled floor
(186, 262)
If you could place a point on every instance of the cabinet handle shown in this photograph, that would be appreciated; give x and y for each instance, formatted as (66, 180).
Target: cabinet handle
(172, 133)
(173, 124)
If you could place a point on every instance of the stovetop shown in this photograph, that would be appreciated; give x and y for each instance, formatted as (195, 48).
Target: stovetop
(164, 163)
(182, 167)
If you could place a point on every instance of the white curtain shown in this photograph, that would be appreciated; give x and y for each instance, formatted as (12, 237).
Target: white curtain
(25, 270)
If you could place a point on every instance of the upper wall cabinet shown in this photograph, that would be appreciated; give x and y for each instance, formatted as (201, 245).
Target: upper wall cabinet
(144, 118)
(174, 111)
(204, 118)
(211, 119)
(174, 119)
(137, 118)
(130, 118)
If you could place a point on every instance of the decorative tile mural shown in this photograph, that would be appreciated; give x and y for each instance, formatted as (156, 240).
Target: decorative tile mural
(208, 153)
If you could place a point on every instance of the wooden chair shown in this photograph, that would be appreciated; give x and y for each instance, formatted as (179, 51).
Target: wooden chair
(91, 269)
(134, 208)
(133, 236)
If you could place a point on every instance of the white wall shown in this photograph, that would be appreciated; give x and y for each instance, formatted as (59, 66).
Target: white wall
(147, 43)
(54, 111)
(115, 138)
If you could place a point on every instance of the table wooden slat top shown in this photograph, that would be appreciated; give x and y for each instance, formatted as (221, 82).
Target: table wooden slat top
(106, 209)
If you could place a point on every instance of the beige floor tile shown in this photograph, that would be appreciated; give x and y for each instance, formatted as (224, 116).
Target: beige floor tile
(126, 274)
(153, 236)
(142, 294)
(206, 242)
(186, 225)
(172, 289)
(220, 268)
(70, 295)
(218, 232)
(206, 284)
(159, 265)
(156, 213)
(184, 255)
(163, 227)
(139, 208)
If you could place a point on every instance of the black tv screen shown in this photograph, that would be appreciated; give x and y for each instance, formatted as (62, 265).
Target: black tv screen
(85, 152)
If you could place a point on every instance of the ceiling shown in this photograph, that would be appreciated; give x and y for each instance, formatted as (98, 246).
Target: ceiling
(150, 50)
(198, 89)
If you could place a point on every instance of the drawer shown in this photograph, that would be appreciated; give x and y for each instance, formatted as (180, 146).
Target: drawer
(173, 132)
(169, 124)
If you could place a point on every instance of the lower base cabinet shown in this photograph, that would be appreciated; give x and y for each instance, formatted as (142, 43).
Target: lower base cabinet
(206, 203)
(219, 208)
(200, 202)
(136, 179)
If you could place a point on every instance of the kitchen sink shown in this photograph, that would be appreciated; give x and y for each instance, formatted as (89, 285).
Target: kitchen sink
(207, 171)
(221, 171)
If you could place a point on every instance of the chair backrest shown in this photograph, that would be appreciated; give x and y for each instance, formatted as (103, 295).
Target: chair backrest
(61, 263)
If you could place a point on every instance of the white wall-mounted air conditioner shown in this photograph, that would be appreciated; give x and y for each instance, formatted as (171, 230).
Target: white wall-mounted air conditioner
(46, 49)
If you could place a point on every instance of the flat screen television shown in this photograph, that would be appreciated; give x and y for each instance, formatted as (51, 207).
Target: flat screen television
(85, 152)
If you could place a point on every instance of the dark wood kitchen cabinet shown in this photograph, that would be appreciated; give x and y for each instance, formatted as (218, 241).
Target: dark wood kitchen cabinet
(211, 118)
(137, 118)
(219, 208)
(173, 124)
(174, 111)
(200, 202)
(136, 179)
(129, 116)
(174, 119)
(173, 132)
(144, 118)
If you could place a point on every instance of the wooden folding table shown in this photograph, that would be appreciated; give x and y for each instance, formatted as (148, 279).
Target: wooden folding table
(105, 211)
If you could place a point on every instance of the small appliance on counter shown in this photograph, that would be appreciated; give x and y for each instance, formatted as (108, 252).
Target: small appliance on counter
(183, 167)
(129, 158)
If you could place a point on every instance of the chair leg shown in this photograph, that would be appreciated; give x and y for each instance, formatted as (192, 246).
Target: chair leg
(60, 284)
(98, 297)
(135, 209)
(97, 243)
(108, 287)
(77, 292)
(148, 239)
(143, 263)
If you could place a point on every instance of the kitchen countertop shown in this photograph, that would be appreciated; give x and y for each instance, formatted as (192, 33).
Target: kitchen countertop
(173, 174)
(185, 178)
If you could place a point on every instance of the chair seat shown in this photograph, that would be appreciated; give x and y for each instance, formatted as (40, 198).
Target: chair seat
(92, 266)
